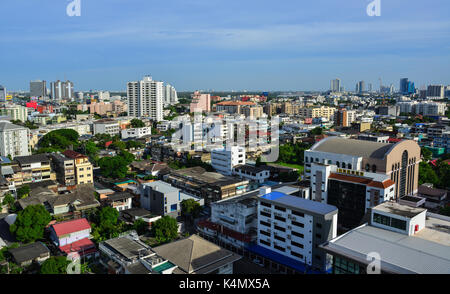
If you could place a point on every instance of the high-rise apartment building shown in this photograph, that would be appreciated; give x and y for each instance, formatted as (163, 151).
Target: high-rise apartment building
(170, 95)
(62, 90)
(200, 102)
(436, 92)
(146, 99)
(407, 87)
(2, 93)
(344, 117)
(38, 88)
(13, 140)
(335, 85)
(360, 87)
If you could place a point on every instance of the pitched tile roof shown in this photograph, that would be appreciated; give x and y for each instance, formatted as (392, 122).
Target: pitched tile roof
(72, 226)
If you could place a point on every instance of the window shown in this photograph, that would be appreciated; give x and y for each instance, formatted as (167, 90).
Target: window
(319, 225)
(374, 168)
(266, 204)
(279, 248)
(319, 236)
(264, 223)
(264, 242)
(349, 166)
(398, 224)
(293, 253)
(337, 164)
(297, 244)
(297, 234)
(280, 208)
(343, 165)
(298, 224)
(265, 214)
(264, 233)
(298, 213)
(280, 238)
(280, 229)
(280, 218)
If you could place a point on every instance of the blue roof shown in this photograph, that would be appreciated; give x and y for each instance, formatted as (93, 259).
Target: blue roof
(300, 203)
(273, 195)
(282, 259)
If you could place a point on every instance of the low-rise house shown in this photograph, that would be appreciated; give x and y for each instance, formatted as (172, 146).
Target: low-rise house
(433, 197)
(162, 199)
(26, 255)
(64, 168)
(258, 174)
(129, 255)
(133, 214)
(73, 236)
(32, 169)
(195, 255)
(120, 201)
(76, 203)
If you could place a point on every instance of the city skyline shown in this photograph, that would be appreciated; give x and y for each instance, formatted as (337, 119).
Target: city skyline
(226, 45)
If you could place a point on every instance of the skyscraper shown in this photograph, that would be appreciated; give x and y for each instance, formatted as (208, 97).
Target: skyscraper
(170, 95)
(407, 87)
(436, 91)
(38, 88)
(2, 93)
(335, 85)
(360, 87)
(62, 90)
(146, 99)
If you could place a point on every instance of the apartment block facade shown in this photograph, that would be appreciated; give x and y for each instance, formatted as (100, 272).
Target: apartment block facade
(83, 168)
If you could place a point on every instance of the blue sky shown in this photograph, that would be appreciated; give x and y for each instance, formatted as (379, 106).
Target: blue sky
(224, 44)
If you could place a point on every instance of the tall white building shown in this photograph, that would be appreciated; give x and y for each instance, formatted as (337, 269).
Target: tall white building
(435, 91)
(2, 93)
(170, 95)
(13, 140)
(103, 96)
(294, 227)
(146, 99)
(223, 160)
(62, 90)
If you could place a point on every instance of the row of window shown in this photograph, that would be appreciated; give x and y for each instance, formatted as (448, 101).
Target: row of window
(389, 221)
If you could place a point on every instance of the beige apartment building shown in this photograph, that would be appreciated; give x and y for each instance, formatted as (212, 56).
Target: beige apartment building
(323, 111)
(83, 168)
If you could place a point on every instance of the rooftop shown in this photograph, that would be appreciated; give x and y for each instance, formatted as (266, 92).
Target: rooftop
(299, 203)
(426, 252)
(29, 252)
(71, 226)
(358, 148)
(196, 255)
(398, 209)
(32, 159)
(128, 247)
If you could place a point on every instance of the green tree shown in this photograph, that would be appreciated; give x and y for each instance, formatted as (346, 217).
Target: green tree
(91, 149)
(190, 208)
(23, 191)
(137, 123)
(30, 223)
(140, 226)
(165, 229)
(60, 139)
(317, 131)
(426, 153)
(427, 174)
(55, 265)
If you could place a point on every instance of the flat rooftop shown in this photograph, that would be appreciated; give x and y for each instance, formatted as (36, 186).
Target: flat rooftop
(426, 252)
(127, 247)
(398, 209)
(298, 203)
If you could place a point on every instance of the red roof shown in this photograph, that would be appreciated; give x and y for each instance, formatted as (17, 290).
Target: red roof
(72, 226)
(363, 181)
(72, 154)
(108, 143)
(394, 140)
(83, 247)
